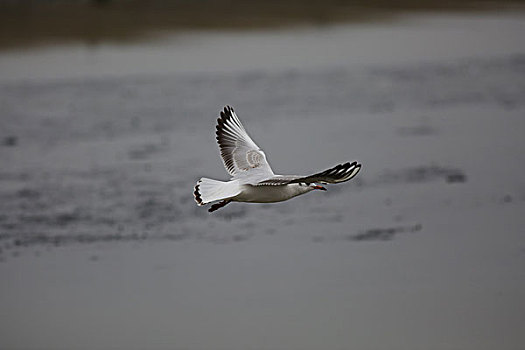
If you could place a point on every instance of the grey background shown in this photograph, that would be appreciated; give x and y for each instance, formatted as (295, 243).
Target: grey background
(103, 247)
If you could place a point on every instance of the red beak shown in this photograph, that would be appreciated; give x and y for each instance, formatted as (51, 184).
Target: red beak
(317, 187)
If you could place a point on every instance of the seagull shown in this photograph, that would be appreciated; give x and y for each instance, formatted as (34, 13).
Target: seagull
(253, 180)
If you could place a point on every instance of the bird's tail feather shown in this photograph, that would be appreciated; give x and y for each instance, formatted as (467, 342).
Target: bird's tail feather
(209, 190)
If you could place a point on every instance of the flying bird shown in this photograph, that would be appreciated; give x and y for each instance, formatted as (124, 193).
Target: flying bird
(253, 180)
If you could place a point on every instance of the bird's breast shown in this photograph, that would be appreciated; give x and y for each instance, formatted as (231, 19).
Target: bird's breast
(269, 194)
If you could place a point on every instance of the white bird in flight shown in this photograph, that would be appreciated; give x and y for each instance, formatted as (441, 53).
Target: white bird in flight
(252, 179)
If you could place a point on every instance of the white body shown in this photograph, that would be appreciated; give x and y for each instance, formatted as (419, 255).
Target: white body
(212, 190)
(270, 194)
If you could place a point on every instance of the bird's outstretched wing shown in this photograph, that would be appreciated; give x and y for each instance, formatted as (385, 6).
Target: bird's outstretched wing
(337, 174)
(241, 156)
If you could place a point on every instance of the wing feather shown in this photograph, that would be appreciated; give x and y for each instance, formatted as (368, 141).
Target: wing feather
(339, 173)
(239, 153)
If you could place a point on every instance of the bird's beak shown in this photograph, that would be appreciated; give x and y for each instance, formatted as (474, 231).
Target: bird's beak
(317, 187)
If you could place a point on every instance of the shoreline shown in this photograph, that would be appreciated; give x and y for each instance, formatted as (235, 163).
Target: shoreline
(25, 25)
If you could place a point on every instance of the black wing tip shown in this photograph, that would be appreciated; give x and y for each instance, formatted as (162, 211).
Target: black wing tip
(354, 164)
(221, 121)
(353, 169)
(227, 112)
(343, 166)
(219, 126)
(225, 120)
(225, 115)
(345, 171)
(350, 165)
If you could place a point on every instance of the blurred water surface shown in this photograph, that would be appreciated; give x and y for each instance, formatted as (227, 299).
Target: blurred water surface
(103, 247)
